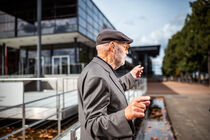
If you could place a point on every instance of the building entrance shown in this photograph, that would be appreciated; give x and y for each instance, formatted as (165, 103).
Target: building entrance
(61, 64)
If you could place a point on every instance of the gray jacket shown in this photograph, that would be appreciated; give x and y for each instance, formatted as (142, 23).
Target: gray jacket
(102, 101)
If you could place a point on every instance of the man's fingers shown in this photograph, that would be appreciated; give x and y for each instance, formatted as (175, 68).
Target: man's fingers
(140, 105)
(143, 98)
(146, 103)
(138, 114)
(137, 109)
(139, 67)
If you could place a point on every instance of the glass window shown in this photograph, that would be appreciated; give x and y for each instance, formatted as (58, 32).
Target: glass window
(82, 30)
(95, 11)
(90, 4)
(25, 28)
(66, 25)
(89, 11)
(95, 25)
(22, 53)
(82, 4)
(6, 18)
(82, 13)
(46, 54)
(2, 18)
(82, 22)
(90, 28)
(100, 22)
(95, 33)
(7, 27)
(7, 34)
(89, 19)
(89, 34)
(48, 26)
(95, 17)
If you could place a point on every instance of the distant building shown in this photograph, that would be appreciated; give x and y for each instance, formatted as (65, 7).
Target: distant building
(69, 30)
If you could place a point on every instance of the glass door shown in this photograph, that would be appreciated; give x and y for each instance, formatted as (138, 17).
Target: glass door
(61, 64)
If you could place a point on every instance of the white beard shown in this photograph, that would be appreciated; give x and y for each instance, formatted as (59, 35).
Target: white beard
(120, 62)
(123, 62)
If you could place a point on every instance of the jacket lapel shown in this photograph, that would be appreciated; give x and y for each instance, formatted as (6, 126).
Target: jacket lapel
(111, 74)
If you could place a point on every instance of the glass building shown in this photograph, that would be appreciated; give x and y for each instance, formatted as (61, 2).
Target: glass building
(69, 30)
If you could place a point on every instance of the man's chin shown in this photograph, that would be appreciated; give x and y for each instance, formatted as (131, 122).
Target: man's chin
(123, 63)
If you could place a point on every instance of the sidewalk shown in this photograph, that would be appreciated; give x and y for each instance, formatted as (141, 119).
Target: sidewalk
(188, 108)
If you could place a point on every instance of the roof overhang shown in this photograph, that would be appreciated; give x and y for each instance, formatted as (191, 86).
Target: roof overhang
(61, 38)
(152, 50)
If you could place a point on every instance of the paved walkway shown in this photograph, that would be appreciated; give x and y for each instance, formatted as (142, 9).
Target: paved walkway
(188, 107)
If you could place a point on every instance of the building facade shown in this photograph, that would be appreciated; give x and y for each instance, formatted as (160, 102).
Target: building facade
(69, 29)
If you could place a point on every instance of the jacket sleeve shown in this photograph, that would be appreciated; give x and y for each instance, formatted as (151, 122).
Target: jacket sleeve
(98, 122)
(127, 81)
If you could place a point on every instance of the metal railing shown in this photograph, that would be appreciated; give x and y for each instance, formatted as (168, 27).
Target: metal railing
(59, 109)
(73, 131)
(138, 90)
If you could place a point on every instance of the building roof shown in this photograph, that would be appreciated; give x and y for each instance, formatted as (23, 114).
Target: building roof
(152, 50)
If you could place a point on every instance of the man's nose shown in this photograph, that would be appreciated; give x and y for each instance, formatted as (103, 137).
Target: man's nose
(126, 52)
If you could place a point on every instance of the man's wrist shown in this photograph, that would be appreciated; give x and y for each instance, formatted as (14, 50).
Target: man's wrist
(127, 116)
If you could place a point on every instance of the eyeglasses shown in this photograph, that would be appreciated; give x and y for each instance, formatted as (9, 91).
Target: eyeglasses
(125, 45)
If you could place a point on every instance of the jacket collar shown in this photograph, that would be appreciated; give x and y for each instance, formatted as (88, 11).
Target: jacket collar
(110, 71)
(102, 63)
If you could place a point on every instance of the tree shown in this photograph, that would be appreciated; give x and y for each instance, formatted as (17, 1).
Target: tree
(187, 50)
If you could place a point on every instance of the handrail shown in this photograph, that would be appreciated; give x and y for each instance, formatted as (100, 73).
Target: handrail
(6, 108)
(73, 131)
(27, 79)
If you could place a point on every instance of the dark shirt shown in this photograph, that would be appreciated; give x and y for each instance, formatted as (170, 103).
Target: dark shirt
(109, 66)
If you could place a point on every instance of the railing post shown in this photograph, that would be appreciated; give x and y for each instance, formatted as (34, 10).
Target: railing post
(58, 108)
(63, 95)
(73, 132)
(23, 115)
(73, 137)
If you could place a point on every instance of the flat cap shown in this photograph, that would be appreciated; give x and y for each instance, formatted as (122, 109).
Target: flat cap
(108, 35)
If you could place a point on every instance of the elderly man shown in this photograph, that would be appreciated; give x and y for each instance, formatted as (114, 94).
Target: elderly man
(103, 109)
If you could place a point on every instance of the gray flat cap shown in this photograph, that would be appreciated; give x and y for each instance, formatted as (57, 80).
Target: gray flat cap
(108, 35)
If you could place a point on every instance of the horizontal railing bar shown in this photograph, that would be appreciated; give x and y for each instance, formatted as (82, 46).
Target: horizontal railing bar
(76, 127)
(6, 108)
(27, 79)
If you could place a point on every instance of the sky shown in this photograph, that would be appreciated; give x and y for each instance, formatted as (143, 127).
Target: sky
(148, 22)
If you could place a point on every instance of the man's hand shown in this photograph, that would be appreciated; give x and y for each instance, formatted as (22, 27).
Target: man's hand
(137, 71)
(137, 107)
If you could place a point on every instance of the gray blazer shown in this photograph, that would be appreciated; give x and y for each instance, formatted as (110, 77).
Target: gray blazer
(102, 101)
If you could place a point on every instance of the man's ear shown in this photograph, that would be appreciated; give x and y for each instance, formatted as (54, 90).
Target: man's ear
(111, 46)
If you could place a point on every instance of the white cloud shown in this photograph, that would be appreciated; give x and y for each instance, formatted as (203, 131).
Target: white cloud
(161, 37)
(156, 65)
(157, 61)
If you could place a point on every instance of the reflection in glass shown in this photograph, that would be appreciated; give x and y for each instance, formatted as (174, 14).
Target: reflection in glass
(64, 65)
(56, 66)
(66, 25)
(25, 28)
